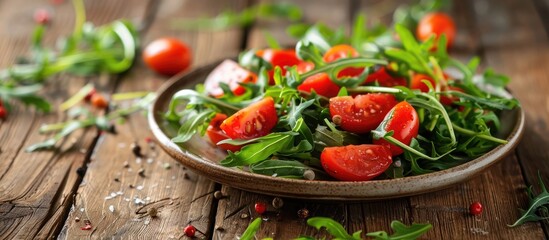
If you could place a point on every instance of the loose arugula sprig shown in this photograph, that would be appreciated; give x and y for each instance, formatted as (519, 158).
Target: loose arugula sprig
(85, 119)
(337, 231)
(87, 51)
(538, 208)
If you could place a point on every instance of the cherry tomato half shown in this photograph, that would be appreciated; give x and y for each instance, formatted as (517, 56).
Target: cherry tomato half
(230, 73)
(278, 58)
(343, 51)
(417, 83)
(321, 84)
(254, 121)
(404, 122)
(362, 113)
(436, 23)
(217, 135)
(304, 67)
(356, 162)
(384, 79)
(167, 56)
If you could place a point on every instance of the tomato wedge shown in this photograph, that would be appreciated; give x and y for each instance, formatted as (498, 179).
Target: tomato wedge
(278, 58)
(343, 51)
(216, 135)
(362, 113)
(230, 73)
(356, 162)
(321, 84)
(254, 121)
(384, 79)
(404, 123)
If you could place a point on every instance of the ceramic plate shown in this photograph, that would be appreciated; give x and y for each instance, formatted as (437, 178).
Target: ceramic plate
(202, 157)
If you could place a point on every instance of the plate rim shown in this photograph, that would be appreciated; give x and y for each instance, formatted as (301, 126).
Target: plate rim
(307, 189)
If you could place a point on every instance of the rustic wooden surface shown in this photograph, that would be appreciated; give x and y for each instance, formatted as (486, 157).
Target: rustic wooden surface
(41, 194)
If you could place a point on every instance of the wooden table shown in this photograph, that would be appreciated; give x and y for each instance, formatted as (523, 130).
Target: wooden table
(42, 194)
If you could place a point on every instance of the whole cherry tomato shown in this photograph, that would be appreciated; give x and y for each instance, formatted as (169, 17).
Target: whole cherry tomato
(343, 51)
(230, 73)
(436, 23)
(278, 58)
(355, 162)
(167, 56)
(384, 79)
(254, 121)
(216, 135)
(362, 113)
(404, 123)
(321, 84)
(417, 82)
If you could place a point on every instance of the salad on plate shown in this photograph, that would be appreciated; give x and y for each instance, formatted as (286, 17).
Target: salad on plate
(375, 105)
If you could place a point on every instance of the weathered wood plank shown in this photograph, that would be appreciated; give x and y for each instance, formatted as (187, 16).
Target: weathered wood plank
(36, 188)
(508, 23)
(180, 196)
(529, 85)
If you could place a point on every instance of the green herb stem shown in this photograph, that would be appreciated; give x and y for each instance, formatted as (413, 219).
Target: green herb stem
(479, 135)
(347, 62)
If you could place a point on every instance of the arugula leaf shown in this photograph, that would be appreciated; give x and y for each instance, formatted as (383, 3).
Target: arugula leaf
(193, 121)
(402, 231)
(256, 152)
(333, 227)
(250, 231)
(537, 203)
(280, 168)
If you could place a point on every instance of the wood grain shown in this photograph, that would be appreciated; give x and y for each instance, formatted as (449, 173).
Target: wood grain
(36, 189)
(180, 196)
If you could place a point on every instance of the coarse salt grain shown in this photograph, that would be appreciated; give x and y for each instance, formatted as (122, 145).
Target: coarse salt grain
(111, 208)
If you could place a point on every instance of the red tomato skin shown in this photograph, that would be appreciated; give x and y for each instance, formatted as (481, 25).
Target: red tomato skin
(232, 74)
(167, 56)
(384, 79)
(278, 58)
(404, 122)
(450, 99)
(436, 23)
(321, 84)
(216, 134)
(304, 67)
(362, 113)
(254, 121)
(417, 82)
(343, 51)
(355, 162)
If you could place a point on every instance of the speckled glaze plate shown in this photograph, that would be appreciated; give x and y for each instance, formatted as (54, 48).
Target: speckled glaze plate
(202, 157)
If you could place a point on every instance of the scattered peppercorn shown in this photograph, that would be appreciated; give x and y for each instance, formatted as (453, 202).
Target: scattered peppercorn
(189, 230)
(136, 149)
(336, 119)
(116, 180)
(141, 172)
(148, 139)
(126, 164)
(77, 219)
(87, 225)
(131, 186)
(99, 101)
(112, 129)
(218, 195)
(186, 176)
(260, 207)
(309, 174)
(88, 96)
(244, 215)
(475, 208)
(42, 16)
(303, 213)
(277, 202)
(3, 112)
(81, 171)
(153, 212)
